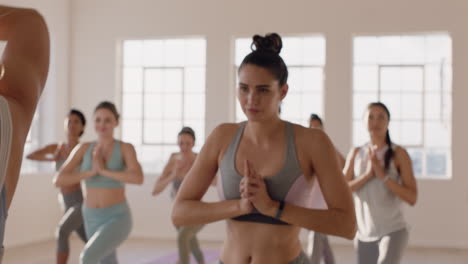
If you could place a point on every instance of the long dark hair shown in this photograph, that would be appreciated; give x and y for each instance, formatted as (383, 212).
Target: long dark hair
(266, 55)
(389, 154)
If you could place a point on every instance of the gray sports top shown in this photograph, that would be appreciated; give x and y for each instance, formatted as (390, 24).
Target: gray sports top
(288, 185)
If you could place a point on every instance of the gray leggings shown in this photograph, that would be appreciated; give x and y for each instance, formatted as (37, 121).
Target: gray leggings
(387, 250)
(319, 248)
(301, 259)
(187, 241)
(71, 221)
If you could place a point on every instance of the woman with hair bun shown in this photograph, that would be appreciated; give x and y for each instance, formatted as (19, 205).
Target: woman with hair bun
(271, 173)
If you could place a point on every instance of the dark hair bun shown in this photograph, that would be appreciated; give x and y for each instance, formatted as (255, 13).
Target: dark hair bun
(269, 43)
(187, 131)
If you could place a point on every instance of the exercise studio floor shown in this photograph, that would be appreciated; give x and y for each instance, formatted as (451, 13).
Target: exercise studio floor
(138, 251)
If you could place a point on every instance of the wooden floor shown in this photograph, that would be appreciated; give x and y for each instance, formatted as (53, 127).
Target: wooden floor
(139, 251)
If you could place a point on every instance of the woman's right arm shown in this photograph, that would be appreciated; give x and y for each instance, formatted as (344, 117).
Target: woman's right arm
(188, 208)
(68, 175)
(355, 183)
(165, 177)
(47, 153)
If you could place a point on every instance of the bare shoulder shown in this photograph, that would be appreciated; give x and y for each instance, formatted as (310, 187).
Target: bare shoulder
(127, 146)
(223, 133)
(400, 153)
(309, 136)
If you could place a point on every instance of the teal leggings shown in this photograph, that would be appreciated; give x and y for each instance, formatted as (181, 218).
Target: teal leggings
(106, 228)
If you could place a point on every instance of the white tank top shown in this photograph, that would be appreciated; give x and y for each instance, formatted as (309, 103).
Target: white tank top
(378, 209)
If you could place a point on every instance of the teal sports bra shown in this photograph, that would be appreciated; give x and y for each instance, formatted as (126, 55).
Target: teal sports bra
(115, 163)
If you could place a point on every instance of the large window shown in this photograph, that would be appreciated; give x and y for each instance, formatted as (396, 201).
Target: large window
(412, 75)
(163, 90)
(305, 58)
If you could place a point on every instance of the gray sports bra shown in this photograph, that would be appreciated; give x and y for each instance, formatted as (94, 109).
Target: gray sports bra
(288, 185)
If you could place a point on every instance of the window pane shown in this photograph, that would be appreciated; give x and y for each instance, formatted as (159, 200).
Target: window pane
(194, 106)
(415, 82)
(242, 49)
(360, 102)
(151, 158)
(292, 51)
(153, 106)
(153, 131)
(311, 103)
(411, 133)
(365, 78)
(412, 49)
(194, 79)
(438, 48)
(172, 106)
(174, 52)
(416, 155)
(395, 131)
(412, 107)
(132, 55)
(360, 134)
(412, 79)
(131, 131)
(314, 51)
(390, 79)
(295, 78)
(365, 50)
(436, 163)
(291, 107)
(433, 77)
(153, 51)
(170, 131)
(173, 80)
(389, 50)
(154, 80)
(437, 135)
(195, 52)
(131, 108)
(313, 79)
(132, 80)
(160, 75)
(393, 102)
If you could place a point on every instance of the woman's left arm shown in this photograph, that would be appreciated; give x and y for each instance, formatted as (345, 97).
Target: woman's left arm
(133, 174)
(407, 190)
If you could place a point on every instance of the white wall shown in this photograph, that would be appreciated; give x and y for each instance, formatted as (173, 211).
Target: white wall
(439, 218)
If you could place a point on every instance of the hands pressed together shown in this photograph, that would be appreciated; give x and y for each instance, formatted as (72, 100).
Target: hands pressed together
(254, 193)
(374, 166)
